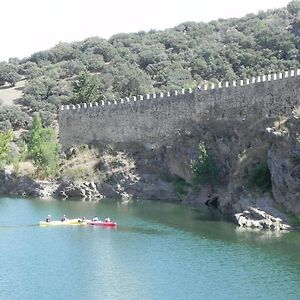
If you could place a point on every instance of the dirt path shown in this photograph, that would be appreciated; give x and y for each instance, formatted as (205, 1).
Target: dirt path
(11, 95)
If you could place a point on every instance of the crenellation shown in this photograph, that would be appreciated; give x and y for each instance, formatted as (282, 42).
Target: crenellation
(155, 121)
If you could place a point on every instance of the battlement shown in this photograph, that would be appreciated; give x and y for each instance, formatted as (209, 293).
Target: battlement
(155, 118)
(161, 96)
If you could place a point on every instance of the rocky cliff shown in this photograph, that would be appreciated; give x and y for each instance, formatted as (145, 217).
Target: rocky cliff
(130, 170)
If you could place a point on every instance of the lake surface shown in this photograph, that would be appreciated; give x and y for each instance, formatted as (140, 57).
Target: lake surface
(159, 251)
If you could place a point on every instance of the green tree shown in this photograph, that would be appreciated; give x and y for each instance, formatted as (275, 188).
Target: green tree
(85, 89)
(5, 139)
(43, 148)
(8, 73)
(294, 7)
(204, 168)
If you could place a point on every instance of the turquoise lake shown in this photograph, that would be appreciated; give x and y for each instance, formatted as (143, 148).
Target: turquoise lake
(158, 251)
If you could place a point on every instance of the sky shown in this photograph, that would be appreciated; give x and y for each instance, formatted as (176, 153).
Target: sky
(33, 25)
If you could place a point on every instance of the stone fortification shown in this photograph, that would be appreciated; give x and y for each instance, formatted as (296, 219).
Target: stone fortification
(154, 119)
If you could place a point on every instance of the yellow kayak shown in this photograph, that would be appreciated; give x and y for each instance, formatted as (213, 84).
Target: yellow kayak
(63, 223)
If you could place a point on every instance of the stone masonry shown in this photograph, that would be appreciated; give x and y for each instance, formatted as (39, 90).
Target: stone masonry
(153, 119)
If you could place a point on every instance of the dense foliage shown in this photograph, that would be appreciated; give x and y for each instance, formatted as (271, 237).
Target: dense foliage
(145, 62)
(5, 153)
(12, 117)
(43, 148)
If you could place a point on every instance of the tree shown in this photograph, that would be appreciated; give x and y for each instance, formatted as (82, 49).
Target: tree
(294, 7)
(5, 139)
(8, 73)
(43, 148)
(204, 168)
(85, 89)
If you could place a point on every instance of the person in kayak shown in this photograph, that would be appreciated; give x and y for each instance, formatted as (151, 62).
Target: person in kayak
(48, 219)
(95, 219)
(64, 218)
(107, 220)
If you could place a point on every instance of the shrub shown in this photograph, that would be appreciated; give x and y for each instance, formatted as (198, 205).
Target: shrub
(43, 148)
(204, 168)
(14, 116)
(260, 178)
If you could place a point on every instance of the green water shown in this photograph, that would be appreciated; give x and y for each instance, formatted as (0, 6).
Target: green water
(159, 251)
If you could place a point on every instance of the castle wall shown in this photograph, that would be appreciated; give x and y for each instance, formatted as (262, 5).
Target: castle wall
(153, 119)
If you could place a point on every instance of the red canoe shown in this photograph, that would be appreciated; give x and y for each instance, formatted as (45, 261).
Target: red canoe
(106, 224)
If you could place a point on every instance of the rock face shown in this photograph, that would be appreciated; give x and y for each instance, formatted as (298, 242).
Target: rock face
(284, 165)
(21, 186)
(79, 190)
(255, 218)
(134, 171)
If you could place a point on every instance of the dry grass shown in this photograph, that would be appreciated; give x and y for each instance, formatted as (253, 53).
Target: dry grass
(26, 168)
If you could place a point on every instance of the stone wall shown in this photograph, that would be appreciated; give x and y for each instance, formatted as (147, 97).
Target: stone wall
(154, 119)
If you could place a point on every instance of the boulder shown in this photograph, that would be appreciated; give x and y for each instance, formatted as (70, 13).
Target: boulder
(256, 218)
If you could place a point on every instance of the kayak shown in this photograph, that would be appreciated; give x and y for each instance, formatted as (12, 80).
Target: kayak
(62, 223)
(106, 224)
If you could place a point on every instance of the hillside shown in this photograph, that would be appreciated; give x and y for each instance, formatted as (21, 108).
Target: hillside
(154, 61)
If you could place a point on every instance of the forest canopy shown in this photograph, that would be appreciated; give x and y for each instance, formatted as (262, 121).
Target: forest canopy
(158, 60)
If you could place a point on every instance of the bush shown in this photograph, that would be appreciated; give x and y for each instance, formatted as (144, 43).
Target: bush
(260, 178)
(14, 116)
(43, 148)
(204, 168)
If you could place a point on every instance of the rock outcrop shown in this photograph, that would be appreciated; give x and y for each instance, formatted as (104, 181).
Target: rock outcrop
(256, 218)
(80, 190)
